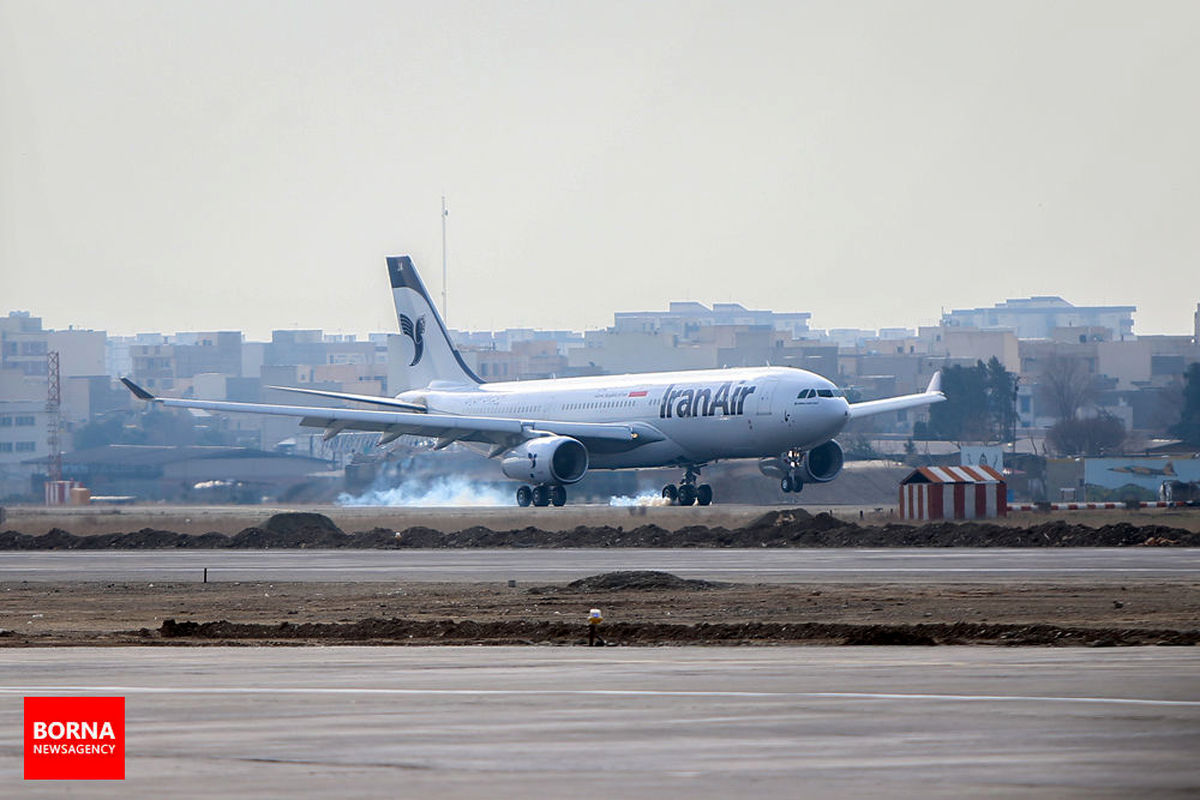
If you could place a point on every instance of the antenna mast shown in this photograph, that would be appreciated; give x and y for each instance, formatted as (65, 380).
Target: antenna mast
(445, 213)
(53, 416)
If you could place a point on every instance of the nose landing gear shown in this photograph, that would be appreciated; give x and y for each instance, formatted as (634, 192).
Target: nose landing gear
(792, 482)
(793, 478)
(688, 493)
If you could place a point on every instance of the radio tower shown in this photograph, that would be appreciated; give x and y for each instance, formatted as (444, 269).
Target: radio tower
(445, 213)
(53, 416)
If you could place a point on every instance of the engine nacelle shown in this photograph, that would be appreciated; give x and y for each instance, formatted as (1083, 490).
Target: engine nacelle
(822, 464)
(547, 459)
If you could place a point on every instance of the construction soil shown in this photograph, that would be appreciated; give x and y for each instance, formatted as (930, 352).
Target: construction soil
(640, 608)
(780, 528)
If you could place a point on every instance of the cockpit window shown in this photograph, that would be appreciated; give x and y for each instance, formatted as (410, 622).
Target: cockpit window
(824, 393)
(806, 394)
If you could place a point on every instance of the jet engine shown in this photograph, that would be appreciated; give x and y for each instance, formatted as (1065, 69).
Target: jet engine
(822, 464)
(546, 459)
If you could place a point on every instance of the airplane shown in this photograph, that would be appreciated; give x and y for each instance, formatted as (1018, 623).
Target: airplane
(1146, 472)
(548, 433)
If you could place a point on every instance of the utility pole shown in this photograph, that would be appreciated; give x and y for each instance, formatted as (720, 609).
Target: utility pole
(445, 213)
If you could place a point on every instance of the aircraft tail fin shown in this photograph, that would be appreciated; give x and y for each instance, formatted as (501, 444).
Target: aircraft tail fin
(426, 354)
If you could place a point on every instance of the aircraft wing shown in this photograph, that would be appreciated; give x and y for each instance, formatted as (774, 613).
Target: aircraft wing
(357, 398)
(500, 432)
(932, 394)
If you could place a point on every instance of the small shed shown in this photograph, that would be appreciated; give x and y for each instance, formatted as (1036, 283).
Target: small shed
(930, 493)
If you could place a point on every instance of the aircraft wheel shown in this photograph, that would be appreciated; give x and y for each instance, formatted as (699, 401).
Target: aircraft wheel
(524, 496)
(670, 493)
(541, 496)
(687, 494)
(558, 495)
(797, 482)
(785, 483)
(704, 494)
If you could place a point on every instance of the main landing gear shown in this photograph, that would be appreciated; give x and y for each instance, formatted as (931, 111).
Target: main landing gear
(542, 495)
(688, 493)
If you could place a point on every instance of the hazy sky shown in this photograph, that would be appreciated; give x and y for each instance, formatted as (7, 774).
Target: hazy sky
(247, 165)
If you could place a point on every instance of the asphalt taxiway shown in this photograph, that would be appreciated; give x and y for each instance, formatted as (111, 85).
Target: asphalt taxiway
(774, 565)
(611, 722)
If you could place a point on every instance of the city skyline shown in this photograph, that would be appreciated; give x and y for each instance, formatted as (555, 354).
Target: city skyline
(248, 166)
(817, 330)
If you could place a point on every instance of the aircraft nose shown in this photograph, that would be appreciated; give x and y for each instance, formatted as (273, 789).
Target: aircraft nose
(833, 415)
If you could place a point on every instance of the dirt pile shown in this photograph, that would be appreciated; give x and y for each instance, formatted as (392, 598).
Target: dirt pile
(640, 580)
(291, 530)
(402, 631)
(785, 528)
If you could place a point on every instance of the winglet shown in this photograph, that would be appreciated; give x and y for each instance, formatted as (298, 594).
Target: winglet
(935, 384)
(138, 392)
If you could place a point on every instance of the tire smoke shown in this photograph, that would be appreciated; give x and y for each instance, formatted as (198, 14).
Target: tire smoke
(435, 492)
(650, 498)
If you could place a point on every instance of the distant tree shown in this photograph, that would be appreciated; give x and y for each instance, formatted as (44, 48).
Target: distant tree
(857, 447)
(112, 428)
(1002, 400)
(1188, 427)
(1066, 384)
(964, 414)
(979, 405)
(148, 426)
(1094, 436)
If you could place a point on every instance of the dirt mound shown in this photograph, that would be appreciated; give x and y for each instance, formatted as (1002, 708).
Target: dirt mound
(777, 519)
(640, 580)
(300, 530)
(146, 538)
(300, 524)
(784, 528)
(403, 631)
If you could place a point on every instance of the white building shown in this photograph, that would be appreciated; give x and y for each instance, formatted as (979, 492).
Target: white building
(1037, 317)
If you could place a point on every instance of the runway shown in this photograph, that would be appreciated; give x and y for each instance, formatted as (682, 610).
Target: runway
(650, 723)
(915, 565)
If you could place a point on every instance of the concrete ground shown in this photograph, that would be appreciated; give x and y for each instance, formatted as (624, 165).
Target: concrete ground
(647, 723)
(773, 565)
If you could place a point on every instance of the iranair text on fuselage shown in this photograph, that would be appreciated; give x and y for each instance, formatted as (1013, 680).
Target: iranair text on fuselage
(726, 399)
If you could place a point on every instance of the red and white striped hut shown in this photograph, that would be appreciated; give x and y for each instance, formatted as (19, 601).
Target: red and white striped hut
(58, 493)
(953, 493)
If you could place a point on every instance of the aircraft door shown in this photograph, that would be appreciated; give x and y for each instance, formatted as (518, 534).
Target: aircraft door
(764, 393)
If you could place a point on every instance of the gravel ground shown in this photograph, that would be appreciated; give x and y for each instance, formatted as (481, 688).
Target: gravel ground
(640, 608)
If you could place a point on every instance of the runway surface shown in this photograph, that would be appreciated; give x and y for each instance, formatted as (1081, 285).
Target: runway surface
(646, 723)
(918, 565)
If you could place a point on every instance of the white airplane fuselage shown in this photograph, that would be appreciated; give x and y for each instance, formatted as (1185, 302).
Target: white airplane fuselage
(705, 415)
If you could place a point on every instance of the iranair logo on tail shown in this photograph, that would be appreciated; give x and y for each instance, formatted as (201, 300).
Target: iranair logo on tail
(416, 333)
